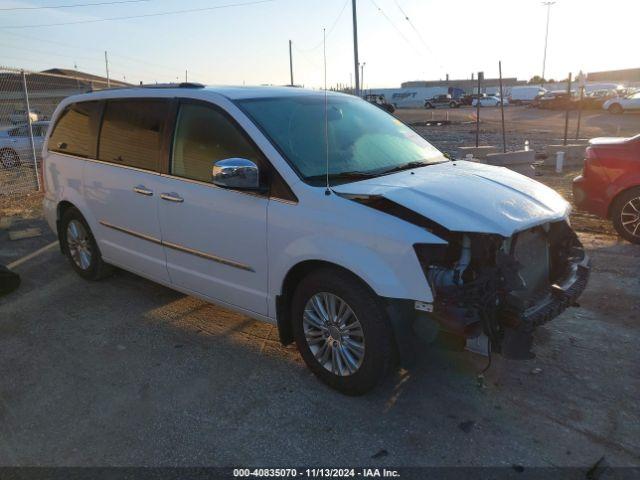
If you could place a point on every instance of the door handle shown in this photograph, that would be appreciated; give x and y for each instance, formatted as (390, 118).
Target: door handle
(172, 197)
(142, 190)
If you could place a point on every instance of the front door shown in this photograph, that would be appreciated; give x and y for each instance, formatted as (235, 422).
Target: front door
(214, 238)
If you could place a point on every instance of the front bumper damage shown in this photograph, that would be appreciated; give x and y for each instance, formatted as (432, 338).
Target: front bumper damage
(505, 288)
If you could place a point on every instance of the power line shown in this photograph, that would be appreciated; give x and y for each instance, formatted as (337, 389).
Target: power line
(406, 17)
(109, 19)
(390, 22)
(45, 52)
(72, 5)
(98, 58)
(415, 30)
(333, 26)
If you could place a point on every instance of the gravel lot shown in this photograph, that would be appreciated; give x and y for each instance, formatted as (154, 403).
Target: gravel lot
(126, 372)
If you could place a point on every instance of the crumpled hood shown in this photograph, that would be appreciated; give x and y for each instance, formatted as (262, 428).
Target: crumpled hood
(468, 197)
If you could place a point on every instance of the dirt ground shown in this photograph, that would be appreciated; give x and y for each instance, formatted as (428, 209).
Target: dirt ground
(127, 372)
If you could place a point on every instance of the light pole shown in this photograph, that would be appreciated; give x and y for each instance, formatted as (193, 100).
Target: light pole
(362, 78)
(546, 39)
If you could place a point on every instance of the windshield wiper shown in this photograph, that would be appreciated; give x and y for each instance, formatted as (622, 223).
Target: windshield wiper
(350, 175)
(404, 166)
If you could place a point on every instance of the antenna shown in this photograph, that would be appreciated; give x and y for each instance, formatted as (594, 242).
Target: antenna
(326, 109)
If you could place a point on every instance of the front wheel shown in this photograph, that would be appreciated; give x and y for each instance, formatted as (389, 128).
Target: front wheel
(428, 105)
(80, 247)
(625, 213)
(342, 331)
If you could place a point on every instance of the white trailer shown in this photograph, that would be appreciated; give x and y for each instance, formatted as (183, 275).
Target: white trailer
(407, 97)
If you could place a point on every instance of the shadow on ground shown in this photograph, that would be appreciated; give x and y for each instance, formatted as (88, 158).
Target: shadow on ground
(126, 372)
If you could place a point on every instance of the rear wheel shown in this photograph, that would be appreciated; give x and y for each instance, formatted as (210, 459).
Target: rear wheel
(80, 247)
(453, 105)
(625, 213)
(428, 105)
(342, 331)
(9, 158)
(616, 109)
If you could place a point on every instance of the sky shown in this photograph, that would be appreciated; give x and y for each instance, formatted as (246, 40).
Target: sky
(248, 44)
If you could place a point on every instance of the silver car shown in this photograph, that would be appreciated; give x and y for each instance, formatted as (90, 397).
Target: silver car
(15, 145)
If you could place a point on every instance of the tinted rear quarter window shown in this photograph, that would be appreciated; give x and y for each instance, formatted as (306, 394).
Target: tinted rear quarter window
(132, 133)
(75, 132)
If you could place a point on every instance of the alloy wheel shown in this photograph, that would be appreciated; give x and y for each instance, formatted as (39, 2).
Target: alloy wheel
(630, 217)
(334, 334)
(79, 244)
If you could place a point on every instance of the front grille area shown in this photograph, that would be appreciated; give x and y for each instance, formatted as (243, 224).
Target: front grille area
(531, 251)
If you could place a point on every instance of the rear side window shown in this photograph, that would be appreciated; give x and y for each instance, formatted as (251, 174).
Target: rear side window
(203, 136)
(132, 133)
(75, 132)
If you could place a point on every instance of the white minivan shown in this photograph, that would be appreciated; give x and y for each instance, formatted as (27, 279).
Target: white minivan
(319, 213)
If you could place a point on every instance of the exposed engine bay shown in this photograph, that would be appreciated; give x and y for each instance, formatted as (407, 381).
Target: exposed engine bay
(500, 287)
(505, 287)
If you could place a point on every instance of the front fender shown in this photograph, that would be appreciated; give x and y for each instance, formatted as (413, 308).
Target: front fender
(376, 247)
(393, 275)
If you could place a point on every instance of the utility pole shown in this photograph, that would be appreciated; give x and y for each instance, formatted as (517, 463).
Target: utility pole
(186, 77)
(546, 38)
(355, 46)
(291, 63)
(362, 78)
(106, 65)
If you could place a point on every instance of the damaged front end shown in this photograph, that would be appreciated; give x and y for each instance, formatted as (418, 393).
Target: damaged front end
(504, 287)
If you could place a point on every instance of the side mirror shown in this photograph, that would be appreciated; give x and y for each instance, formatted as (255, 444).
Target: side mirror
(237, 173)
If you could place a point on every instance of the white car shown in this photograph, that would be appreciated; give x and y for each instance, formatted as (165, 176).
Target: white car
(20, 116)
(622, 104)
(489, 101)
(333, 221)
(15, 144)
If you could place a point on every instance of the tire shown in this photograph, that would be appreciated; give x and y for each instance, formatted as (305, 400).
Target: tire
(453, 105)
(615, 108)
(80, 247)
(428, 105)
(625, 214)
(9, 158)
(367, 325)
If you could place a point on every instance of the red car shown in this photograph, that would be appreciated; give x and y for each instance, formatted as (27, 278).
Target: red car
(610, 183)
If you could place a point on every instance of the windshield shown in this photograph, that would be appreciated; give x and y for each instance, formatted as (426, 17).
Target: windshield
(363, 139)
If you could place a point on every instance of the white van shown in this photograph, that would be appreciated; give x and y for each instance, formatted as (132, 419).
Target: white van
(522, 95)
(333, 221)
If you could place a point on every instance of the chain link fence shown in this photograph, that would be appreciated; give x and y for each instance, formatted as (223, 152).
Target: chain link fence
(27, 102)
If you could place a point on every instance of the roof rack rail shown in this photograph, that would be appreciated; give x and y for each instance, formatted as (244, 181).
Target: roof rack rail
(174, 85)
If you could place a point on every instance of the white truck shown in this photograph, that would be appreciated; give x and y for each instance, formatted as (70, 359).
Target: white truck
(522, 95)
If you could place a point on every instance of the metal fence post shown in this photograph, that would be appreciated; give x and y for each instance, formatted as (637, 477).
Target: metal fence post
(579, 112)
(480, 78)
(566, 113)
(33, 145)
(504, 136)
